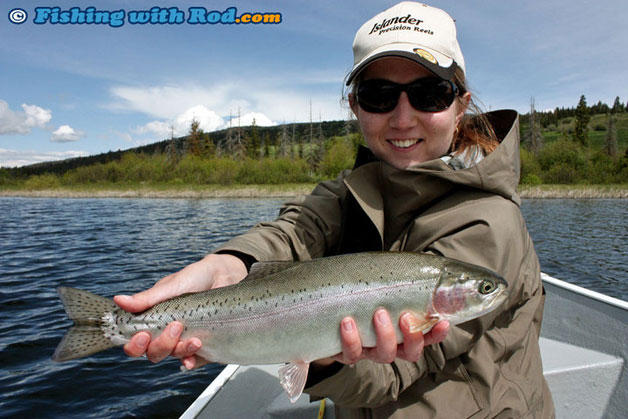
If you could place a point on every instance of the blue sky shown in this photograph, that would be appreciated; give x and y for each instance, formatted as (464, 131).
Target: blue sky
(71, 90)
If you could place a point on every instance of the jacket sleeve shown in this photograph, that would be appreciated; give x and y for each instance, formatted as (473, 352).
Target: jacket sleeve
(306, 227)
(497, 240)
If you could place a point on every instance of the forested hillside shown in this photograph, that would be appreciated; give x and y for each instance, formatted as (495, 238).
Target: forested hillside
(584, 144)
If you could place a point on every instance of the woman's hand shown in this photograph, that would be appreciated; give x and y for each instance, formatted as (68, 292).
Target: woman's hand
(213, 271)
(386, 349)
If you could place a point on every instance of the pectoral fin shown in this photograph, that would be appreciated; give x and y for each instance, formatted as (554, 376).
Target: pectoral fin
(292, 377)
(424, 322)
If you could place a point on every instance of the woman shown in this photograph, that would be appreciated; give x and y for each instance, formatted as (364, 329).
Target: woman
(432, 181)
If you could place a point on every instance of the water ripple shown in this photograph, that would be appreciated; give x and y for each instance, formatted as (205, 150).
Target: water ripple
(114, 246)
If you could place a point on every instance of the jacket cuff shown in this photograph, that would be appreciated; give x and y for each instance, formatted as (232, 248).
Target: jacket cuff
(248, 260)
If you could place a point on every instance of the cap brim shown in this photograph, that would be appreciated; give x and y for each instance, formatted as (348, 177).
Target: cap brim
(407, 51)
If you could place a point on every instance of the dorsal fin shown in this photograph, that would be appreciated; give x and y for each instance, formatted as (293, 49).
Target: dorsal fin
(264, 269)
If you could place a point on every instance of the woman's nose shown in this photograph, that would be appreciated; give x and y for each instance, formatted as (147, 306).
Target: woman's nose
(404, 115)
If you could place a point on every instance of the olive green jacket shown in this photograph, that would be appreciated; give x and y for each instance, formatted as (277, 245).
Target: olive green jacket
(487, 367)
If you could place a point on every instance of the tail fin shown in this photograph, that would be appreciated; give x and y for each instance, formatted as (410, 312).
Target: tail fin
(86, 337)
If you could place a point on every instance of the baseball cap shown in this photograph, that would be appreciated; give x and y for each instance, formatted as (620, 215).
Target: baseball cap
(412, 30)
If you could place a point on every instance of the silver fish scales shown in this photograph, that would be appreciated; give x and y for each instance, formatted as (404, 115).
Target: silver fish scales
(289, 312)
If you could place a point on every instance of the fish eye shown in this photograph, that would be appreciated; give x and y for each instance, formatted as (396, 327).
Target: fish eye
(487, 286)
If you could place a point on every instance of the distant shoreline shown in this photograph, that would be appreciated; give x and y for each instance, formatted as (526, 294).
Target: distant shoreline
(286, 191)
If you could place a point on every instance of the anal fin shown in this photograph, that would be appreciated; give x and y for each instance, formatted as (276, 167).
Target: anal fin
(292, 377)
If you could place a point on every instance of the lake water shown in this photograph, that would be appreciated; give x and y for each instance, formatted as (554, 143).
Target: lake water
(115, 246)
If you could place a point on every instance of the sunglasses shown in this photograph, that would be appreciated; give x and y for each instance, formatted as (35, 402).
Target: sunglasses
(425, 94)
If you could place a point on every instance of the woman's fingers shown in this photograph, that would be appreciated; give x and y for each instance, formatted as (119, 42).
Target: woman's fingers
(413, 342)
(351, 342)
(138, 344)
(165, 343)
(194, 361)
(385, 350)
(186, 348)
(438, 333)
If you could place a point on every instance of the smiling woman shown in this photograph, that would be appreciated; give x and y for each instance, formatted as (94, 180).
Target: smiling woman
(403, 136)
(431, 181)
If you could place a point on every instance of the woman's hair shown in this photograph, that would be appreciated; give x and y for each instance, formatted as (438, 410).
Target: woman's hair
(474, 129)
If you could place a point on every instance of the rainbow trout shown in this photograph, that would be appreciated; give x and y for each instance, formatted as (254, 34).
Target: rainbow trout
(290, 312)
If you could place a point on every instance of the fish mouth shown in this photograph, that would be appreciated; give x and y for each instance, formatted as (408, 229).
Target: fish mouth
(404, 143)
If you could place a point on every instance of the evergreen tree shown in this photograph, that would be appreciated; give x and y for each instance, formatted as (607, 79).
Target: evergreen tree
(253, 142)
(581, 130)
(618, 107)
(195, 138)
(267, 141)
(208, 149)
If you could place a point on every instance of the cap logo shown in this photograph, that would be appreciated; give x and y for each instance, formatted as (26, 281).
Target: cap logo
(426, 55)
(396, 23)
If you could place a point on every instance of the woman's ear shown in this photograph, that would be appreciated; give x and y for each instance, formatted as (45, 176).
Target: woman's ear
(463, 103)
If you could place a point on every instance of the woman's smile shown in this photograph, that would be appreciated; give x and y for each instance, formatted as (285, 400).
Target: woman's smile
(404, 136)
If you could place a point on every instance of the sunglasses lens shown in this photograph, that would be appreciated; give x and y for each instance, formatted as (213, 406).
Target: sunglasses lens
(427, 95)
(431, 95)
(378, 96)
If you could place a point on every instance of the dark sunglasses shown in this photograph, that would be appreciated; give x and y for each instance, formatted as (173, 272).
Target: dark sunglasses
(425, 94)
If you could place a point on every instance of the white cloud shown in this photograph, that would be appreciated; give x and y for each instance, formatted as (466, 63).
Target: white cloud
(166, 102)
(208, 120)
(22, 122)
(268, 101)
(160, 128)
(260, 119)
(17, 158)
(65, 134)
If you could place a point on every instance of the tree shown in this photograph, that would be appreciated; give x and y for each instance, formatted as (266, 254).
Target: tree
(534, 138)
(194, 138)
(283, 141)
(618, 107)
(171, 148)
(208, 148)
(610, 146)
(253, 142)
(581, 130)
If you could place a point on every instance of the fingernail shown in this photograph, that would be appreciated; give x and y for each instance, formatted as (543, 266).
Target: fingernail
(382, 318)
(141, 341)
(193, 347)
(175, 330)
(347, 325)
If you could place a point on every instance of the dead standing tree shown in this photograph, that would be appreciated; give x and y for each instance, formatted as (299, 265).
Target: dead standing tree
(534, 138)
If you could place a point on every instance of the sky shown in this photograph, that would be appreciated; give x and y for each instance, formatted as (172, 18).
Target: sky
(70, 90)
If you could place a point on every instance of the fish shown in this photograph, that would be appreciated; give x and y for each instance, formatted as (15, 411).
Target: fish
(289, 312)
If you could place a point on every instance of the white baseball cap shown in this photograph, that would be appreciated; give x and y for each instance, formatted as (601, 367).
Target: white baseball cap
(412, 30)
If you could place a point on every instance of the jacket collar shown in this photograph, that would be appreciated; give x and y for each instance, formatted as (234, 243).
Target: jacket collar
(392, 197)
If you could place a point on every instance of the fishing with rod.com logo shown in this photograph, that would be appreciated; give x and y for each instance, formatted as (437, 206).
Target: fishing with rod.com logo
(154, 16)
